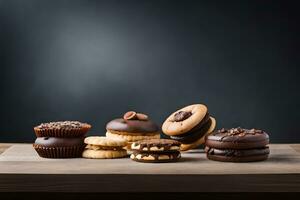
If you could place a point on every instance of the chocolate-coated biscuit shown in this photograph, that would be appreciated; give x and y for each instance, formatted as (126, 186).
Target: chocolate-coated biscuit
(156, 145)
(158, 157)
(237, 138)
(237, 155)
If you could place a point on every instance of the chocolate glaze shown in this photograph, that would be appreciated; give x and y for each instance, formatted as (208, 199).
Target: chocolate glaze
(238, 135)
(132, 126)
(194, 134)
(59, 142)
(237, 138)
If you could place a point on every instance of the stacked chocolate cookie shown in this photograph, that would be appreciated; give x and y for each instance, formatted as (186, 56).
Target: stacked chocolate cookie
(132, 127)
(237, 145)
(155, 151)
(103, 147)
(63, 139)
(189, 126)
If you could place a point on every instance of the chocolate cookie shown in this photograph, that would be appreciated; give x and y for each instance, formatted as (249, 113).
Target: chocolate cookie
(132, 127)
(62, 129)
(237, 155)
(237, 138)
(189, 125)
(52, 147)
(237, 145)
(156, 145)
(151, 157)
(155, 151)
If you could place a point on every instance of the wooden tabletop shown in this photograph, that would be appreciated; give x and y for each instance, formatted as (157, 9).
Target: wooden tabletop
(22, 170)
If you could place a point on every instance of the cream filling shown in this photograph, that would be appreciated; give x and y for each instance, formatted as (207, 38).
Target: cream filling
(153, 148)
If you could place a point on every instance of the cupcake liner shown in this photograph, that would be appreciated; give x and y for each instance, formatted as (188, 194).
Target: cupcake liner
(62, 132)
(59, 152)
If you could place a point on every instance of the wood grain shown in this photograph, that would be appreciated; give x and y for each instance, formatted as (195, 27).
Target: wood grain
(20, 163)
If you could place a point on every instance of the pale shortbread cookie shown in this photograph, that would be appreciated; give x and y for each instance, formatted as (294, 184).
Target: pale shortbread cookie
(171, 127)
(185, 147)
(132, 138)
(103, 154)
(105, 141)
(97, 147)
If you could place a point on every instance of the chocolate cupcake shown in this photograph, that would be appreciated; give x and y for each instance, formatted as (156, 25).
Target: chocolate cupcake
(62, 129)
(52, 147)
(63, 139)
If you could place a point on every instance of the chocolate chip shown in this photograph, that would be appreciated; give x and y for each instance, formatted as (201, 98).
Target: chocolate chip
(181, 116)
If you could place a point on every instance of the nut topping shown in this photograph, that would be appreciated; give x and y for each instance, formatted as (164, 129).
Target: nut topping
(130, 115)
(181, 116)
(142, 117)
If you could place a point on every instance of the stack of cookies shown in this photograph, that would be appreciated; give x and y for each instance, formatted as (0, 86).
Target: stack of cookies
(132, 127)
(189, 126)
(237, 145)
(155, 151)
(103, 147)
(63, 139)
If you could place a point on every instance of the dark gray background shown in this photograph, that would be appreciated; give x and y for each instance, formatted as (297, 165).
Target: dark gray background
(93, 60)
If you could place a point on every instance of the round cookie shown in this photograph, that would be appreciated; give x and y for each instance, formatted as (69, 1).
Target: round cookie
(237, 155)
(155, 145)
(150, 157)
(132, 138)
(185, 147)
(104, 141)
(103, 148)
(156, 151)
(104, 154)
(237, 138)
(52, 147)
(184, 119)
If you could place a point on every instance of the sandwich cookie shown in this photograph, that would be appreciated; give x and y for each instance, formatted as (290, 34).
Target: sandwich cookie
(237, 145)
(155, 151)
(103, 147)
(189, 126)
(63, 139)
(132, 127)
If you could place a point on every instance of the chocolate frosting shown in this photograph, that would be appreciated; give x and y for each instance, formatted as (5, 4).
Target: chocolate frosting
(59, 142)
(239, 135)
(133, 126)
(62, 125)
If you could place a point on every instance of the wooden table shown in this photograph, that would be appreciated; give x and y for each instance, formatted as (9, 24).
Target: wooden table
(21, 170)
